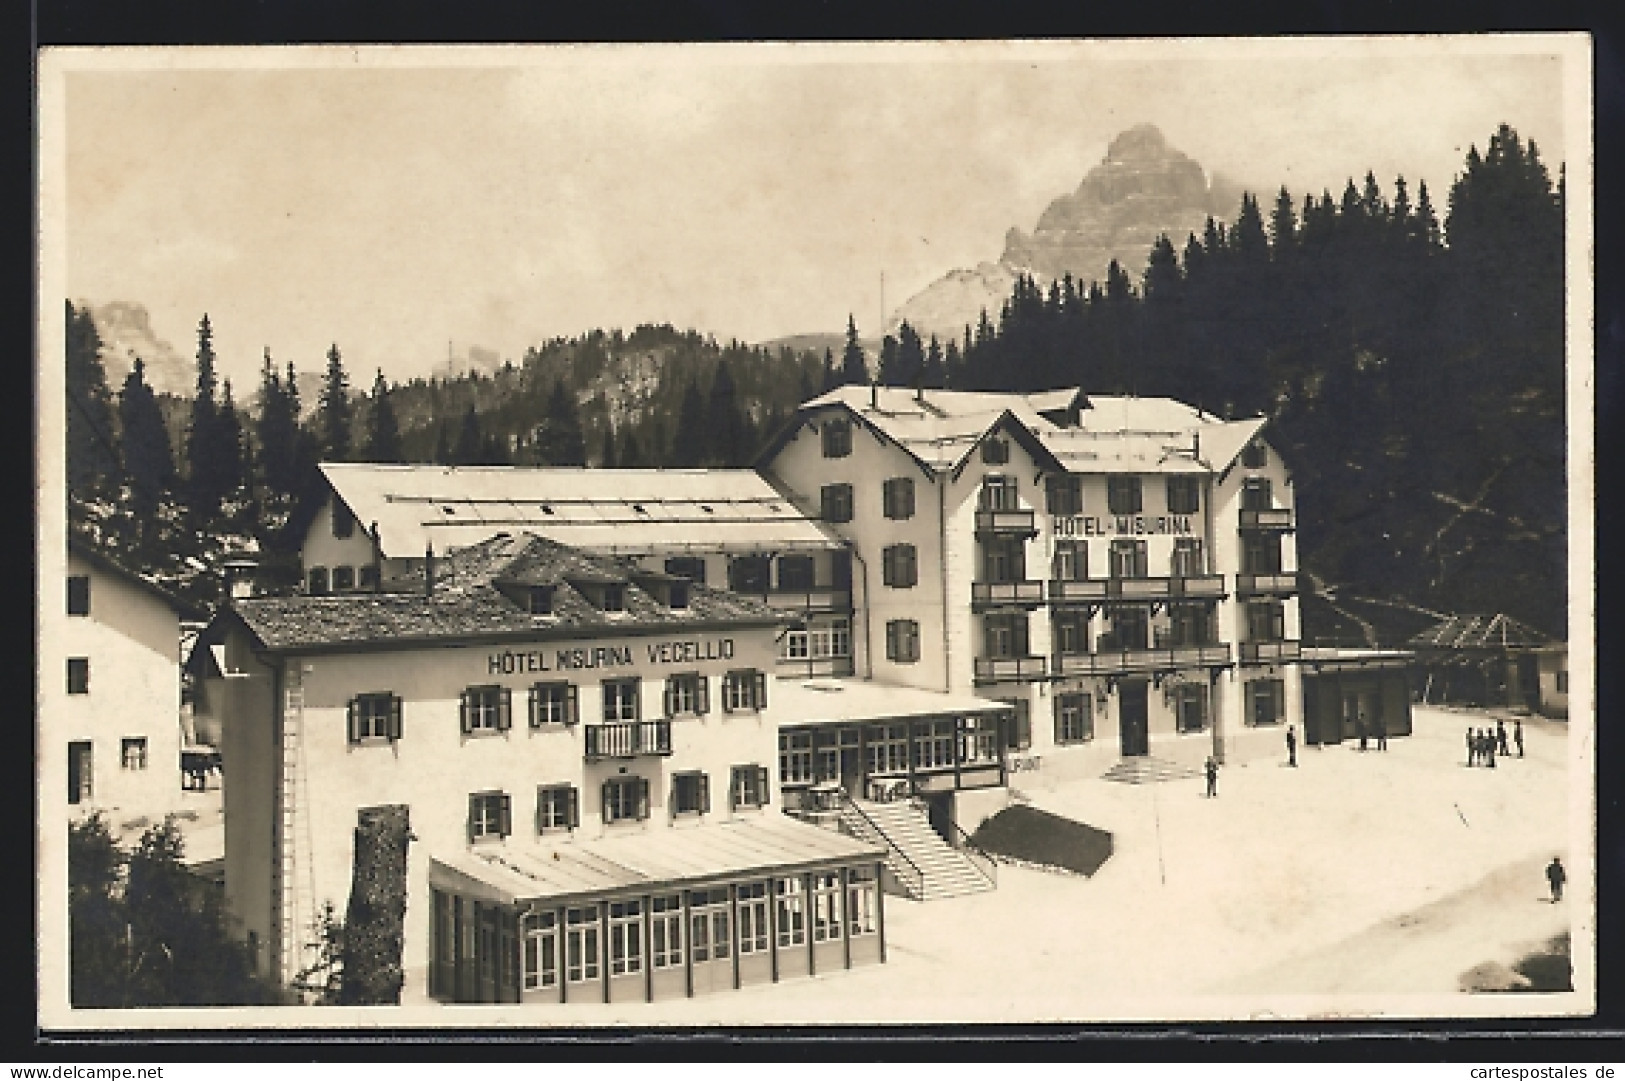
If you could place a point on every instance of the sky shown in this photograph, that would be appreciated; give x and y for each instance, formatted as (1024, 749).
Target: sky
(394, 200)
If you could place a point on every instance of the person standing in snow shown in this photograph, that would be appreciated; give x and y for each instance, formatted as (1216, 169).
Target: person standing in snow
(1555, 877)
(1517, 735)
(1212, 777)
(1291, 746)
(1472, 748)
(1501, 737)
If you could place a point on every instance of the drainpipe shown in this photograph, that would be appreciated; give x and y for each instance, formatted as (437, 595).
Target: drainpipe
(941, 481)
(868, 615)
(1221, 718)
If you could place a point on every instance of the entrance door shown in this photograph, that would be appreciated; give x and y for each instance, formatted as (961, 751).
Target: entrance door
(852, 773)
(1132, 719)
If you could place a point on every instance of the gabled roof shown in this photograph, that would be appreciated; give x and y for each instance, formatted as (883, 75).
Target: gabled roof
(110, 566)
(468, 603)
(1479, 632)
(602, 510)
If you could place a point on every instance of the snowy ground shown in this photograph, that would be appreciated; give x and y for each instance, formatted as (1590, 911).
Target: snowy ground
(1389, 872)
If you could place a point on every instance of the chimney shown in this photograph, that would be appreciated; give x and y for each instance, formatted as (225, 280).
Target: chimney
(874, 395)
(239, 575)
(919, 392)
(428, 569)
(1196, 445)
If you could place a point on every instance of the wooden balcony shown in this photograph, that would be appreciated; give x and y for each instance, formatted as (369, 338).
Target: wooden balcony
(631, 739)
(1266, 584)
(1010, 669)
(1198, 586)
(1128, 661)
(818, 599)
(1006, 523)
(1076, 590)
(1275, 519)
(811, 667)
(1266, 652)
(1139, 589)
(1025, 593)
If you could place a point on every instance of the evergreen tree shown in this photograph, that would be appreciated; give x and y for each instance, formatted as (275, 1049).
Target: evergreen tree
(206, 485)
(233, 476)
(92, 448)
(383, 434)
(148, 461)
(1162, 275)
(1426, 220)
(631, 454)
(606, 457)
(828, 383)
(336, 410)
(277, 433)
(854, 365)
(727, 427)
(890, 373)
(1283, 225)
(442, 451)
(953, 365)
(560, 440)
(470, 445)
(910, 357)
(935, 371)
(688, 444)
(1248, 238)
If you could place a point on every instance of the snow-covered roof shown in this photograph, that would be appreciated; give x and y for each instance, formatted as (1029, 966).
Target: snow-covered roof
(613, 511)
(811, 701)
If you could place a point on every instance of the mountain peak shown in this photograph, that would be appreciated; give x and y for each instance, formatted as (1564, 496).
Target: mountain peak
(1140, 141)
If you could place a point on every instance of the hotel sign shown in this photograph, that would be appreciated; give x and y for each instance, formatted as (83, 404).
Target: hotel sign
(569, 658)
(1123, 525)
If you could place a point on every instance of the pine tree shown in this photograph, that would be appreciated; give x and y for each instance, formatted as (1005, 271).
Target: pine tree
(383, 433)
(233, 477)
(828, 382)
(560, 440)
(1247, 238)
(688, 443)
(631, 454)
(442, 451)
(470, 446)
(205, 483)
(276, 433)
(148, 461)
(92, 447)
(1162, 276)
(935, 372)
(606, 457)
(889, 374)
(854, 365)
(336, 410)
(1426, 220)
(727, 428)
(1283, 225)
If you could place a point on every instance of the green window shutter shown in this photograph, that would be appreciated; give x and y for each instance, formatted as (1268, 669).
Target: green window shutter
(463, 712)
(760, 690)
(395, 716)
(575, 807)
(761, 785)
(705, 793)
(535, 708)
(643, 798)
(702, 695)
(571, 708)
(505, 814)
(349, 720)
(670, 698)
(637, 699)
(504, 708)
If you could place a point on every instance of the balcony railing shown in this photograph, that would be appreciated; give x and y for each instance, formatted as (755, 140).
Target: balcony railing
(1140, 660)
(1256, 652)
(1266, 583)
(1138, 588)
(1009, 669)
(1024, 593)
(1201, 586)
(817, 599)
(814, 666)
(1076, 590)
(1006, 523)
(628, 740)
(1271, 518)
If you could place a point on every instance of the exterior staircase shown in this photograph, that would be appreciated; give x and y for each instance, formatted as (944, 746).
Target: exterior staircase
(1146, 769)
(923, 865)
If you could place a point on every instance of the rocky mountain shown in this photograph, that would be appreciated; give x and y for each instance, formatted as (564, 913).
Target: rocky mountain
(1141, 189)
(126, 332)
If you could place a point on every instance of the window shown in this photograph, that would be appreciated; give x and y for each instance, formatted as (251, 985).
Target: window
(795, 758)
(1021, 735)
(826, 898)
(541, 960)
(1191, 625)
(539, 600)
(79, 771)
(558, 807)
(795, 573)
(133, 752)
(1074, 718)
(835, 502)
(1560, 682)
(1255, 455)
(581, 944)
(625, 938)
(1004, 559)
(744, 690)
(1184, 495)
(490, 814)
(981, 738)
(888, 749)
(837, 438)
(902, 640)
(1260, 553)
(626, 799)
(797, 646)
(1266, 621)
(78, 595)
(677, 595)
(78, 675)
(316, 581)
(1123, 495)
(621, 700)
(690, 793)
(995, 451)
(486, 709)
(753, 926)
(1131, 626)
(934, 746)
(861, 902)
(999, 493)
(792, 897)
(747, 786)
(831, 639)
(1071, 563)
(1190, 707)
(1071, 632)
(367, 577)
(343, 579)
(708, 925)
(1255, 494)
(1187, 561)
(1266, 701)
(748, 574)
(1063, 494)
(612, 598)
(690, 567)
(897, 497)
(899, 566)
(343, 520)
(553, 703)
(1005, 635)
(1128, 559)
(666, 931)
(374, 717)
(687, 694)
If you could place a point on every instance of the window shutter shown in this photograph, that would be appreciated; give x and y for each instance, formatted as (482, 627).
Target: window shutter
(541, 801)
(505, 814)
(761, 786)
(504, 708)
(470, 823)
(908, 497)
(575, 804)
(636, 688)
(535, 708)
(1141, 563)
(643, 798)
(463, 713)
(729, 683)
(760, 690)
(670, 697)
(1278, 621)
(395, 716)
(571, 715)
(349, 720)
(733, 789)
(1279, 695)
(702, 695)
(604, 804)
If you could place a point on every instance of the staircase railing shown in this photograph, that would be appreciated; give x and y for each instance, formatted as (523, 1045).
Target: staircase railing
(856, 822)
(978, 859)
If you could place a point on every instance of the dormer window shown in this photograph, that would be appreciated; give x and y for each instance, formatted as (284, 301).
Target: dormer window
(613, 598)
(837, 438)
(677, 595)
(539, 600)
(995, 451)
(1255, 455)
